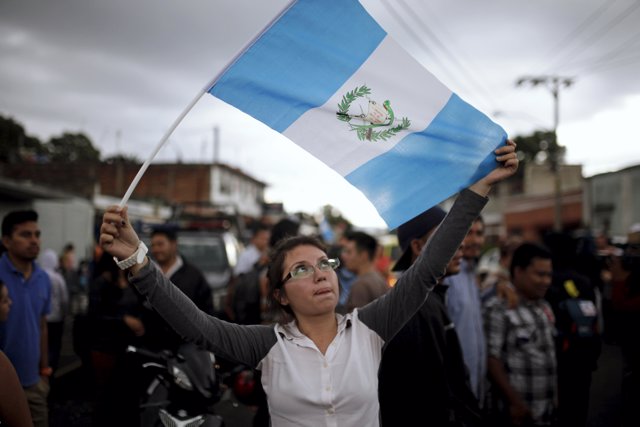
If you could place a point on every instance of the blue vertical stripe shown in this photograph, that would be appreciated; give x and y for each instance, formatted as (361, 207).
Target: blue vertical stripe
(426, 167)
(301, 61)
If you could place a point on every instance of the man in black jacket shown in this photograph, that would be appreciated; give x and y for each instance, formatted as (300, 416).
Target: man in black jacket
(425, 382)
(186, 276)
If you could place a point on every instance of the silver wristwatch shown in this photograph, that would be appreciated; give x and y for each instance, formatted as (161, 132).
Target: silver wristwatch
(136, 258)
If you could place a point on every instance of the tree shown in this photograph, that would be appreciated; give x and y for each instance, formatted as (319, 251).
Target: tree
(72, 148)
(540, 146)
(16, 145)
(123, 158)
(334, 217)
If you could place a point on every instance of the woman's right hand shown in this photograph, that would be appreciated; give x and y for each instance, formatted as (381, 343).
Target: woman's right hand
(117, 236)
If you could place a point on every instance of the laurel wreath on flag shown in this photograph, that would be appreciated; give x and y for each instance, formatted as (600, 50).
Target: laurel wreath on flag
(366, 132)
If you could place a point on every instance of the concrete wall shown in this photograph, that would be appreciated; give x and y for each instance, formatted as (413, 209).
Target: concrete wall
(614, 201)
(66, 221)
(229, 188)
(539, 180)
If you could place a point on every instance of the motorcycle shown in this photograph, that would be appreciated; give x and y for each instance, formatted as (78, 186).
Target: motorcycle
(184, 389)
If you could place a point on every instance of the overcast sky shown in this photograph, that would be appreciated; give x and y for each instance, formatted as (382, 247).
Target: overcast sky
(121, 71)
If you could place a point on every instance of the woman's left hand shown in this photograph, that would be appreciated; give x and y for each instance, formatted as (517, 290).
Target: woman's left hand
(508, 159)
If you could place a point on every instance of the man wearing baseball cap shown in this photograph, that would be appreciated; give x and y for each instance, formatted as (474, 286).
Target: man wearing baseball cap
(425, 381)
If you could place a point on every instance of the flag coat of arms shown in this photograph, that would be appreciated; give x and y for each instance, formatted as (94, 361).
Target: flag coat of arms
(327, 76)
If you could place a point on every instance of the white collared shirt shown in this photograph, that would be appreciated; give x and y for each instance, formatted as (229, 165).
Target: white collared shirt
(323, 390)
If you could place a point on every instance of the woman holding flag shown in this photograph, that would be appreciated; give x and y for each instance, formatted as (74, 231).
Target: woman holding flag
(320, 367)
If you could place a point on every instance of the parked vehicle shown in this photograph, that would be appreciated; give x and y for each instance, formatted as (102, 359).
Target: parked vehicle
(183, 390)
(215, 253)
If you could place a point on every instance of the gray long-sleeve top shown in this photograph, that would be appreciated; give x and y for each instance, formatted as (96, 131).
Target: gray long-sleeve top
(304, 386)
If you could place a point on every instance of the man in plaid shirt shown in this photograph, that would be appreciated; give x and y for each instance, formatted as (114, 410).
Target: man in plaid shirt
(520, 345)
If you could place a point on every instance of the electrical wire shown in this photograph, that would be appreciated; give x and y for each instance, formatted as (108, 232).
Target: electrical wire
(432, 55)
(599, 34)
(625, 47)
(621, 62)
(452, 58)
(579, 29)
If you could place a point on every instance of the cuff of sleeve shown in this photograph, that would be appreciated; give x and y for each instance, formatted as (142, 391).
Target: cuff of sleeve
(141, 274)
(470, 193)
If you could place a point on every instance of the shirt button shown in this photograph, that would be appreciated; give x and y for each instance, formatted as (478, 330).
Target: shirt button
(330, 411)
(328, 388)
(325, 365)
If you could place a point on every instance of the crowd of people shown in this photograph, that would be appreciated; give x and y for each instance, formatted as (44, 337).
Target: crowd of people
(452, 341)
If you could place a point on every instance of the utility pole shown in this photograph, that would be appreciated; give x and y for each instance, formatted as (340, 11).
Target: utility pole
(216, 144)
(553, 83)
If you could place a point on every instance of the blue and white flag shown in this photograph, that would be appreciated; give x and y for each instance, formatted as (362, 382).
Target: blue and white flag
(328, 77)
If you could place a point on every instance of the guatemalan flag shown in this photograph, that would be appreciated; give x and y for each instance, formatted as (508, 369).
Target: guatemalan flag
(328, 77)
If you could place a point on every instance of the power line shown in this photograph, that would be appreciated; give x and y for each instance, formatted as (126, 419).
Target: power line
(621, 62)
(414, 35)
(614, 54)
(571, 36)
(453, 58)
(417, 39)
(610, 25)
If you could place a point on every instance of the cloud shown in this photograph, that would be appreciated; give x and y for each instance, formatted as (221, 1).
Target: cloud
(122, 71)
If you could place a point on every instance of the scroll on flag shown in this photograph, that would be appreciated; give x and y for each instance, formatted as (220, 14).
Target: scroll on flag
(328, 77)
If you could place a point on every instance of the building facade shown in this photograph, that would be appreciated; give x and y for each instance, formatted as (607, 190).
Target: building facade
(216, 184)
(613, 201)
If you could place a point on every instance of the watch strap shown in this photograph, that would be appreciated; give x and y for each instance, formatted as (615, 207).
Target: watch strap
(136, 258)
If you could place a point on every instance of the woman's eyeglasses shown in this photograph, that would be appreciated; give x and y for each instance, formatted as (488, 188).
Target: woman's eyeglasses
(303, 270)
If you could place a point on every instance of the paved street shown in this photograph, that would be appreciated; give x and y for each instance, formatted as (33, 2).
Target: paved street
(606, 394)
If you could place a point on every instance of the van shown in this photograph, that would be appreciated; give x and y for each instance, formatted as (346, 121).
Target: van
(215, 253)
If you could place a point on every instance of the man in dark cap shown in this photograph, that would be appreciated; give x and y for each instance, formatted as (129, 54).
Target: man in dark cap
(425, 381)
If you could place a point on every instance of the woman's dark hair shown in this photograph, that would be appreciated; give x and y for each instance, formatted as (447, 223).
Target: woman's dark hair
(276, 267)
(282, 229)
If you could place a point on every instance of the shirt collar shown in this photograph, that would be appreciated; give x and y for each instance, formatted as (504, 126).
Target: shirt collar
(291, 332)
(526, 301)
(5, 259)
(175, 267)
(467, 265)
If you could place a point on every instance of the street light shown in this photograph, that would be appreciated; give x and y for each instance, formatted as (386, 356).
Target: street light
(554, 84)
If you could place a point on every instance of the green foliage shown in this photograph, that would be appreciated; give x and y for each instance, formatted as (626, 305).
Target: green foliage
(17, 147)
(366, 133)
(347, 100)
(72, 148)
(531, 145)
(122, 158)
(14, 140)
(334, 217)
